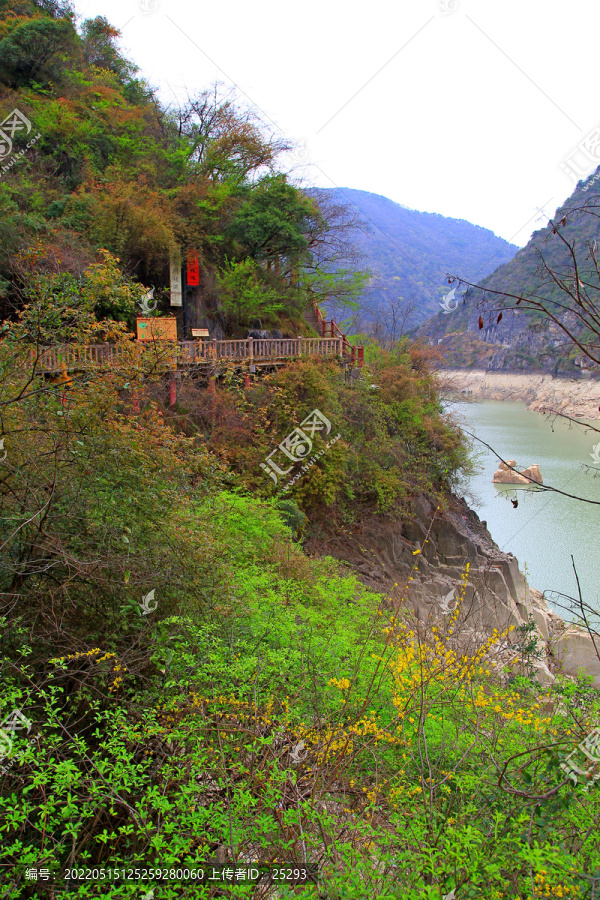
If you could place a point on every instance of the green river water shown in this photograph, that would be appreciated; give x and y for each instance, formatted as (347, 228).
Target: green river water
(545, 529)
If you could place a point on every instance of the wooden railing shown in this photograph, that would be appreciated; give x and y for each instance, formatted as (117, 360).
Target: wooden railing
(259, 349)
(72, 357)
(77, 357)
(354, 354)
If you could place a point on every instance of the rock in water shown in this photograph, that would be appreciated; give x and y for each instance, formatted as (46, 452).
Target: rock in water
(533, 472)
(505, 474)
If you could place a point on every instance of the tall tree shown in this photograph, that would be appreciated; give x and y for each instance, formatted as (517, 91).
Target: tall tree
(99, 48)
(35, 51)
(225, 141)
(272, 222)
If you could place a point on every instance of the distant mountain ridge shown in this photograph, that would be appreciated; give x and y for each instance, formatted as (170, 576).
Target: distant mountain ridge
(409, 252)
(524, 341)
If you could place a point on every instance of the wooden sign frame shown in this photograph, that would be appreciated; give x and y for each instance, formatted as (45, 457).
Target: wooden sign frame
(156, 329)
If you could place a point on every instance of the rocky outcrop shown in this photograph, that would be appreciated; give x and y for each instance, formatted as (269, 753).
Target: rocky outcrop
(506, 474)
(420, 565)
(575, 650)
(532, 473)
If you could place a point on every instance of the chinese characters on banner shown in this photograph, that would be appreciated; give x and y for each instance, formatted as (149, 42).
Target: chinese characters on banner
(193, 269)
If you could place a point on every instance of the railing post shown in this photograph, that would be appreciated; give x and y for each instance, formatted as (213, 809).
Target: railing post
(300, 345)
(341, 347)
(361, 356)
(251, 350)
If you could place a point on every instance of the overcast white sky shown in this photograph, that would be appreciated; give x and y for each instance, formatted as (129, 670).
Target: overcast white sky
(466, 110)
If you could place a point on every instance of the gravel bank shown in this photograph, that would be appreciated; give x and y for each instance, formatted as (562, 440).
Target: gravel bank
(580, 399)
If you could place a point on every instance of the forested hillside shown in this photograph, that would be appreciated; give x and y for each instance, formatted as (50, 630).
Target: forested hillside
(96, 162)
(553, 280)
(409, 253)
(195, 676)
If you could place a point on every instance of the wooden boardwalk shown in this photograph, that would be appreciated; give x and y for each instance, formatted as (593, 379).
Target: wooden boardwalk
(190, 354)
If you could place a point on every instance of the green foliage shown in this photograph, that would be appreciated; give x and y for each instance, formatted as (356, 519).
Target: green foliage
(63, 309)
(289, 721)
(272, 221)
(393, 440)
(197, 686)
(225, 141)
(112, 169)
(528, 645)
(34, 53)
(345, 285)
(86, 488)
(98, 48)
(108, 292)
(293, 516)
(244, 295)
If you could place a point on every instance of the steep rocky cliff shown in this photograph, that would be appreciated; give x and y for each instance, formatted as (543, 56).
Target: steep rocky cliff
(528, 341)
(516, 344)
(420, 565)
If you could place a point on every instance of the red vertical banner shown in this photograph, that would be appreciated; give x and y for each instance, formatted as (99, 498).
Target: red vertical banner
(193, 269)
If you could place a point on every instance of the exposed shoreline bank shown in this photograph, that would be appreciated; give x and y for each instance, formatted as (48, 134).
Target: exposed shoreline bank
(579, 399)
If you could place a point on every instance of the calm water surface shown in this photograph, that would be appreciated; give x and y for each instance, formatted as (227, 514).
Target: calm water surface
(545, 529)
